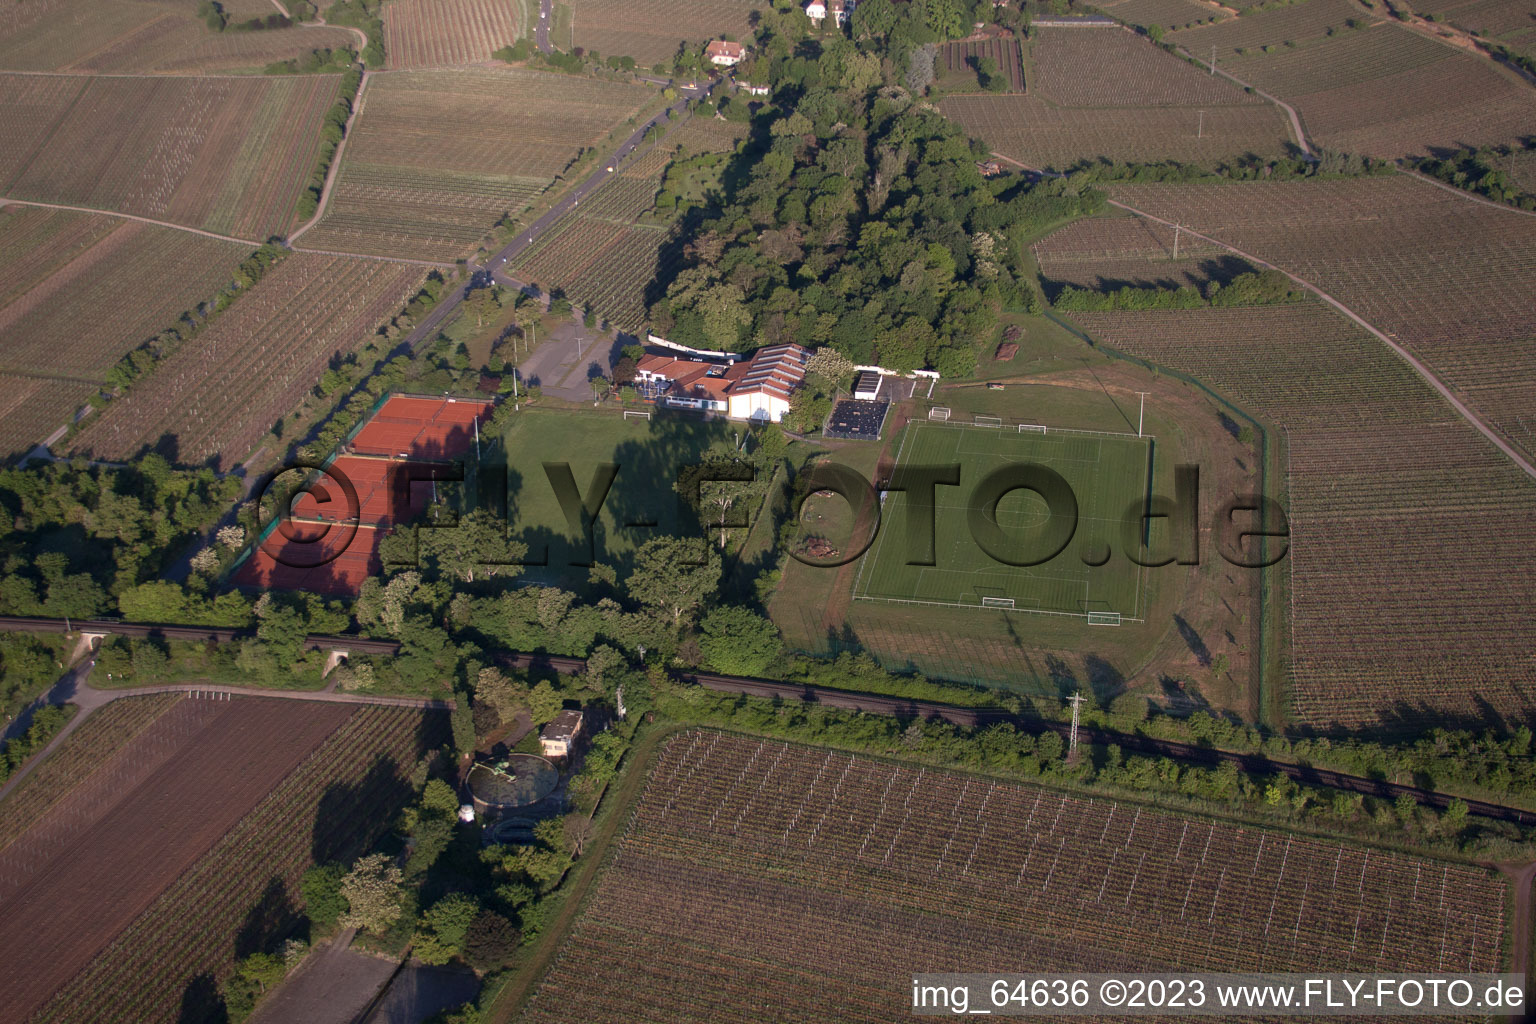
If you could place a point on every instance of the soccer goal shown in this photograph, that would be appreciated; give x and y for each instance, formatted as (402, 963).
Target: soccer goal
(939, 412)
(997, 602)
(636, 414)
(1103, 618)
(988, 421)
(1031, 428)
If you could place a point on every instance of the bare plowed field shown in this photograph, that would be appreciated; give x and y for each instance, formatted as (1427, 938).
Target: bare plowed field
(126, 834)
(770, 881)
(226, 154)
(447, 33)
(218, 394)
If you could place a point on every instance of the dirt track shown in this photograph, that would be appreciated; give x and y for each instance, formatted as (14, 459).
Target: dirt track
(125, 839)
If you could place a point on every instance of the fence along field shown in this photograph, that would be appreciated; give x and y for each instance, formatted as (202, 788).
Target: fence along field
(1448, 278)
(229, 155)
(1386, 91)
(816, 880)
(436, 158)
(235, 897)
(217, 396)
(444, 33)
(1397, 558)
(652, 30)
(1107, 93)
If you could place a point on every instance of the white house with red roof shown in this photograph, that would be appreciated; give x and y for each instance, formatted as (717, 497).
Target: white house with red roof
(725, 54)
(753, 389)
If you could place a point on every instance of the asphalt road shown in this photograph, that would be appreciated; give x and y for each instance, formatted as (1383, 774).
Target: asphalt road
(605, 171)
(541, 30)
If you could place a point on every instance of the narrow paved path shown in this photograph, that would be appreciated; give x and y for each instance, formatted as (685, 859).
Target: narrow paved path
(541, 27)
(334, 171)
(8, 201)
(1423, 371)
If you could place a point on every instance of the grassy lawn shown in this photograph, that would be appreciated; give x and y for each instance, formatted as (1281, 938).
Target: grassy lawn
(648, 454)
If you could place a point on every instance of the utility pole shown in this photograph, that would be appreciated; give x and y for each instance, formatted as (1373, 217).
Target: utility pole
(1176, 242)
(1142, 415)
(1076, 700)
(1213, 60)
(1200, 131)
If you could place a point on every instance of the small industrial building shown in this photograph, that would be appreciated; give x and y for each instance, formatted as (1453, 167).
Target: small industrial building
(558, 737)
(866, 386)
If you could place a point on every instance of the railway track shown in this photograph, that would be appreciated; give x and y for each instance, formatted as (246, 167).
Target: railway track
(846, 700)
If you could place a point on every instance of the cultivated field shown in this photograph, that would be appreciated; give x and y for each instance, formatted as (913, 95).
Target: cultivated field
(74, 310)
(148, 815)
(1040, 134)
(445, 33)
(1451, 279)
(46, 35)
(652, 30)
(1170, 14)
(1410, 572)
(1303, 22)
(959, 58)
(707, 135)
(1115, 68)
(815, 881)
(1387, 91)
(185, 46)
(255, 835)
(1507, 22)
(31, 408)
(1110, 252)
(226, 154)
(220, 393)
(436, 158)
(1107, 474)
(603, 263)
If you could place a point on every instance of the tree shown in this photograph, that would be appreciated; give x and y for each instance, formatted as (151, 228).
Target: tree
(372, 892)
(544, 703)
(321, 890)
(665, 580)
(507, 695)
(738, 641)
(490, 941)
(441, 933)
(476, 545)
(832, 367)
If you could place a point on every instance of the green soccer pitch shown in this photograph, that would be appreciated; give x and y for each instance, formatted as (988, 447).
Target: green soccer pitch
(1107, 473)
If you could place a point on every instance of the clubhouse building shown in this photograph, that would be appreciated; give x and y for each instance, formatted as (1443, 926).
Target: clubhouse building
(752, 389)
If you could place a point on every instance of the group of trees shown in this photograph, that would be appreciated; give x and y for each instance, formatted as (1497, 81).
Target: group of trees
(1487, 171)
(214, 16)
(1255, 288)
(74, 537)
(332, 130)
(365, 15)
(859, 221)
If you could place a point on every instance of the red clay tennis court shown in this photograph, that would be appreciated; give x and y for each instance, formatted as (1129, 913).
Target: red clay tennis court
(331, 543)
